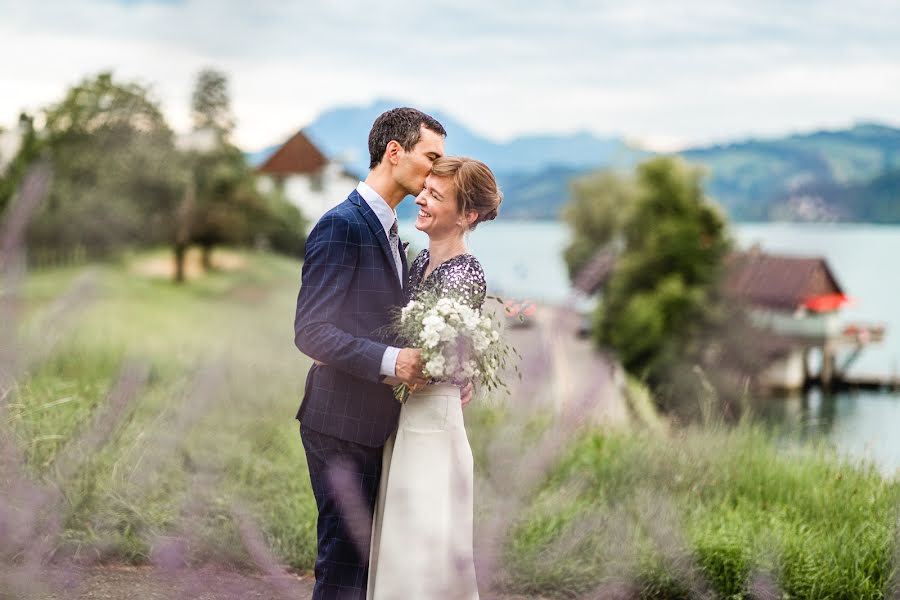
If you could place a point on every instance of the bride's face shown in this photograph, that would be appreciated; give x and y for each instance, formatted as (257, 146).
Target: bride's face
(439, 214)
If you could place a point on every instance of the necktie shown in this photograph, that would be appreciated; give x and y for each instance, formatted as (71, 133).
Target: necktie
(394, 240)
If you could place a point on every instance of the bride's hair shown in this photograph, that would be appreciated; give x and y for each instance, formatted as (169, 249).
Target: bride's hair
(476, 186)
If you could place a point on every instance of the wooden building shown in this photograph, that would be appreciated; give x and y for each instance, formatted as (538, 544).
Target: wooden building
(796, 299)
(799, 299)
(309, 179)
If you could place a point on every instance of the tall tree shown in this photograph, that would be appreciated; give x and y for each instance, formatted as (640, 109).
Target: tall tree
(222, 204)
(222, 195)
(660, 290)
(211, 103)
(663, 311)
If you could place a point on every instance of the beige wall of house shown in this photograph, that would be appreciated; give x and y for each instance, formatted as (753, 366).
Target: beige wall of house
(798, 323)
(313, 194)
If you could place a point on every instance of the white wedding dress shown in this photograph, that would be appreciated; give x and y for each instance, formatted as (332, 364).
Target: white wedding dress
(422, 534)
(423, 524)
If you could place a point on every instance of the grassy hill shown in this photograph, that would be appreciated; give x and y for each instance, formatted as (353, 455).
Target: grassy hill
(837, 170)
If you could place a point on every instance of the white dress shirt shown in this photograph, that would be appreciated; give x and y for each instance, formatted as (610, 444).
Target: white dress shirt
(386, 216)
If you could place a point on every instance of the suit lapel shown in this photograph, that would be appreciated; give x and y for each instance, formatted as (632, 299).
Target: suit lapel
(377, 229)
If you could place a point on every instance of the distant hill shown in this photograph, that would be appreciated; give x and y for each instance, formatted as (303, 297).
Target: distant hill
(343, 132)
(833, 175)
(849, 174)
(533, 171)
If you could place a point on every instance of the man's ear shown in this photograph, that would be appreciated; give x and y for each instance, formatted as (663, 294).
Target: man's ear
(393, 152)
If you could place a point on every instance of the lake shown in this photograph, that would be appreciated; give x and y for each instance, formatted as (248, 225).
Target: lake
(523, 259)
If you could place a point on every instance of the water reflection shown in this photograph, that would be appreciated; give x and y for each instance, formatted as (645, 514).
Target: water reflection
(857, 423)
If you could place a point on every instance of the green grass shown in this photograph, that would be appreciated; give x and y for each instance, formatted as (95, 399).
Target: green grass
(213, 426)
(708, 510)
(696, 513)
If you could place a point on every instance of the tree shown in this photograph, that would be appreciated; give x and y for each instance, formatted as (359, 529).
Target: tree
(663, 311)
(116, 173)
(28, 152)
(228, 205)
(222, 204)
(599, 208)
(221, 200)
(660, 290)
(211, 103)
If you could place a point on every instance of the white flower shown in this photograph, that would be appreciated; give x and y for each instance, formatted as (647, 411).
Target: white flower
(445, 306)
(404, 312)
(468, 369)
(448, 334)
(434, 323)
(452, 365)
(457, 341)
(430, 338)
(480, 341)
(435, 366)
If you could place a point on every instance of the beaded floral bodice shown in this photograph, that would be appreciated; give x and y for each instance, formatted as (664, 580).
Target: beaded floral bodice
(460, 277)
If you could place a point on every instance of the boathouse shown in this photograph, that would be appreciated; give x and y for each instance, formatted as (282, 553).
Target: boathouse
(799, 300)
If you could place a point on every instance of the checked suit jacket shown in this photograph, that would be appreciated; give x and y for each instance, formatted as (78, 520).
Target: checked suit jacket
(349, 290)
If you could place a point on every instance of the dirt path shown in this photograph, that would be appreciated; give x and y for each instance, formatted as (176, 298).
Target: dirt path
(566, 371)
(149, 583)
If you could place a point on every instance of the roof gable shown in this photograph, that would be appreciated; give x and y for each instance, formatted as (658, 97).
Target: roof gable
(778, 281)
(298, 156)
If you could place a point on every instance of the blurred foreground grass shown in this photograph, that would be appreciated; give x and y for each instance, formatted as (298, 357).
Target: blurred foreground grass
(698, 513)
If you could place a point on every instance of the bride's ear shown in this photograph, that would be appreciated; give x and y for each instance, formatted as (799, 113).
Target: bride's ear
(471, 217)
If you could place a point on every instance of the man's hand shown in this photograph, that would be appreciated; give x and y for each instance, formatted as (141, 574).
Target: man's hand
(465, 393)
(409, 367)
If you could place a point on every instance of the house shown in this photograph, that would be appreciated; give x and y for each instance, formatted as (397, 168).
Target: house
(796, 299)
(799, 300)
(790, 295)
(308, 179)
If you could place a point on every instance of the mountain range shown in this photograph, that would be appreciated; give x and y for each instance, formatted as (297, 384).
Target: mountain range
(850, 174)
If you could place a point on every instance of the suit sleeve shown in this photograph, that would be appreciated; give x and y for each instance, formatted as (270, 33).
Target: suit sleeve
(332, 252)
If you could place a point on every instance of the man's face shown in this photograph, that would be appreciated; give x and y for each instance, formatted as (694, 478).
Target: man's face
(415, 165)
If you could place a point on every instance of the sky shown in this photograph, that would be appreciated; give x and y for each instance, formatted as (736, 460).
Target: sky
(663, 74)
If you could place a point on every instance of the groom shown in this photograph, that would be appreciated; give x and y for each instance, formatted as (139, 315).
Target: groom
(354, 274)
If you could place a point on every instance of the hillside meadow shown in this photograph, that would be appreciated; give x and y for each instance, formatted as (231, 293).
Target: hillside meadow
(156, 422)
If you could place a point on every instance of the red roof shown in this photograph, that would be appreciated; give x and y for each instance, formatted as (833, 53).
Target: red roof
(784, 282)
(826, 302)
(297, 156)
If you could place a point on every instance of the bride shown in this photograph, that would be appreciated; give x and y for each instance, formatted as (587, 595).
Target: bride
(422, 533)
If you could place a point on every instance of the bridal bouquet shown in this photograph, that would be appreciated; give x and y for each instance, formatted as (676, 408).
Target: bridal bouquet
(458, 343)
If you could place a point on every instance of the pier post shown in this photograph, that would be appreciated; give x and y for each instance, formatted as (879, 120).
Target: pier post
(826, 374)
(805, 361)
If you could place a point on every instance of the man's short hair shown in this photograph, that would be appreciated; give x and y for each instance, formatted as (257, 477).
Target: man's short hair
(400, 124)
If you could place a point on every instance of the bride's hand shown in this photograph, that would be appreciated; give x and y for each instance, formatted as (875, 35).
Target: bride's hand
(465, 393)
(391, 381)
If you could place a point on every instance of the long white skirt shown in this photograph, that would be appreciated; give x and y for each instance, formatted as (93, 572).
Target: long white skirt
(422, 533)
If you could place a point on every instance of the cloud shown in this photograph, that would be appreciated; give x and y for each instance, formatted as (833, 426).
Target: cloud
(692, 70)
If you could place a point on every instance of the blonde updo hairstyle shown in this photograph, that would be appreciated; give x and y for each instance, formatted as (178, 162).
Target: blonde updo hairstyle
(476, 186)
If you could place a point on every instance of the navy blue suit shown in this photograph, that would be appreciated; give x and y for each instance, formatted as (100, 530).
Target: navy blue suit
(349, 290)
